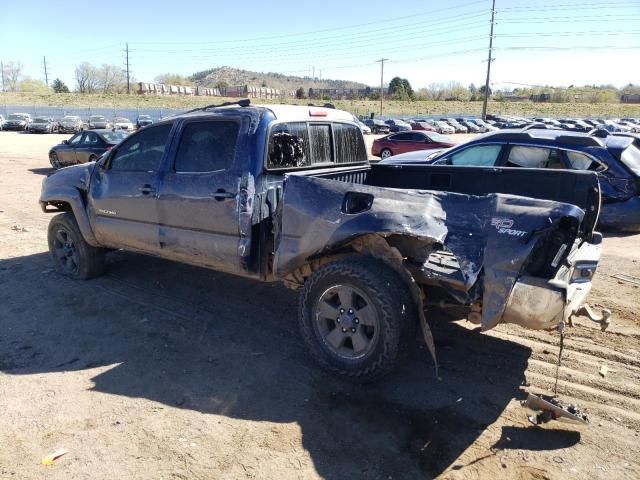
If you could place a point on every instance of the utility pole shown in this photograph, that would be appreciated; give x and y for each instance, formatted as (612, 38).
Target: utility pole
(489, 60)
(2, 72)
(381, 61)
(314, 72)
(127, 61)
(46, 75)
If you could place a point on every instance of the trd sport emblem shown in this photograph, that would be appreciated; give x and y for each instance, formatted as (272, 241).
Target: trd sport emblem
(503, 226)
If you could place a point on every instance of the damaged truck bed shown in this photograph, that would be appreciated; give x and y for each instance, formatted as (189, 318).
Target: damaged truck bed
(366, 245)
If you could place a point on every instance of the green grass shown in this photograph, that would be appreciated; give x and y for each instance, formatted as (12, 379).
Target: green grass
(359, 107)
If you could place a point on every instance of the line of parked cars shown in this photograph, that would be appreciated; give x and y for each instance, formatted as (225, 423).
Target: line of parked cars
(24, 122)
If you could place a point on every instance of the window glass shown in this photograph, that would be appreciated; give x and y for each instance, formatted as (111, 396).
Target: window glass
(417, 137)
(320, 143)
(142, 151)
(90, 139)
(534, 157)
(481, 155)
(580, 161)
(207, 146)
(75, 140)
(401, 136)
(350, 145)
(289, 146)
(631, 158)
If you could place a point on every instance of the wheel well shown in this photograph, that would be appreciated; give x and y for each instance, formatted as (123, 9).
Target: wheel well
(59, 205)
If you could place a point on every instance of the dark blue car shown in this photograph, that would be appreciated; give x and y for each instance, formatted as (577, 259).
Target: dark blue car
(616, 159)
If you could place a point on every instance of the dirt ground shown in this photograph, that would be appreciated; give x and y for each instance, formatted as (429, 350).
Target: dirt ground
(163, 371)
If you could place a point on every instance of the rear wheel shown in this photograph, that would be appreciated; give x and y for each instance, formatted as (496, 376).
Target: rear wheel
(385, 153)
(72, 256)
(54, 160)
(357, 318)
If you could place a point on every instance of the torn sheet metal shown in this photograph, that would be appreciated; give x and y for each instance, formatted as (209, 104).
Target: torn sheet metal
(551, 408)
(491, 236)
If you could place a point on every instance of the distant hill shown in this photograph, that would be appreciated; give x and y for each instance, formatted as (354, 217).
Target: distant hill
(228, 76)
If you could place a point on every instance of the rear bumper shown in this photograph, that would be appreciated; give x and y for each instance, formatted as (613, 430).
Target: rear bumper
(541, 304)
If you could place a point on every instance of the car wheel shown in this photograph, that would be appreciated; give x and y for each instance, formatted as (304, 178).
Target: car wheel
(54, 160)
(385, 153)
(357, 318)
(72, 256)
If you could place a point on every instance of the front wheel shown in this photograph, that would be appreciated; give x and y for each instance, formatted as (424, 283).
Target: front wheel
(385, 153)
(54, 160)
(357, 318)
(72, 256)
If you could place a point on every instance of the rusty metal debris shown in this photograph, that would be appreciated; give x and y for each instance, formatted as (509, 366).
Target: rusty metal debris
(551, 408)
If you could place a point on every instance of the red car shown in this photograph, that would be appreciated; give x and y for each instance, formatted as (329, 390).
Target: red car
(423, 126)
(403, 142)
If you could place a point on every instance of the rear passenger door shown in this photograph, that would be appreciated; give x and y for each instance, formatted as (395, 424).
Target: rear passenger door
(198, 197)
(91, 145)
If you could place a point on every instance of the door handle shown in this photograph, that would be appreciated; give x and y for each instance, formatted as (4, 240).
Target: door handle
(221, 194)
(146, 189)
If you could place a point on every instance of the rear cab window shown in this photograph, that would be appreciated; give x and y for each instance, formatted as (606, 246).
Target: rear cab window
(631, 158)
(308, 144)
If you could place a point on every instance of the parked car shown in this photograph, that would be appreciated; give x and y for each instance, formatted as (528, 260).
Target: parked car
(43, 125)
(635, 127)
(402, 142)
(443, 128)
(396, 125)
(593, 123)
(361, 244)
(18, 122)
(470, 126)
(2, 120)
(484, 125)
(424, 126)
(122, 123)
(616, 127)
(377, 126)
(458, 128)
(71, 124)
(615, 158)
(549, 122)
(143, 121)
(83, 147)
(363, 128)
(99, 122)
(575, 125)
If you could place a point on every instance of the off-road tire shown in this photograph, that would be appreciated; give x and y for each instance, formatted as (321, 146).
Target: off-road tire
(396, 313)
(89, 261)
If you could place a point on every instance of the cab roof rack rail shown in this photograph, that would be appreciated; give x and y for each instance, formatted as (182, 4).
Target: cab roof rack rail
(550, 134)
(245, 102)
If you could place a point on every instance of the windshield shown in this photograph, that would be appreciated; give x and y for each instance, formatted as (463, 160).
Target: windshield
(96, 118)
(114, 137)
(15, 117)
(631, 158)
(41, 120)
(147, 117)
(71, 119)
(122, 120)
(436, 137)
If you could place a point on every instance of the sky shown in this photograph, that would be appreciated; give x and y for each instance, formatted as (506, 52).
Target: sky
(560, 43)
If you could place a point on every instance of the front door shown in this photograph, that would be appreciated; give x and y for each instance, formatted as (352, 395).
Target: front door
(198, 197)
(124, 191)
(67, 151)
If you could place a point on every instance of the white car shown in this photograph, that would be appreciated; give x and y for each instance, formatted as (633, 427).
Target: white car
(363, 128)
(121, 123)
(443, 127)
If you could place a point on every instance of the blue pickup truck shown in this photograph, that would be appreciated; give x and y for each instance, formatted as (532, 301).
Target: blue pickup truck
(286, 193)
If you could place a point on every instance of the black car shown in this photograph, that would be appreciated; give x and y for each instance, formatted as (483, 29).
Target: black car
(376, 126)
(396, 125)
(575, 125)
(18, 121)
(84, 147)
(43, 125)
(143, 121)
(71, 124)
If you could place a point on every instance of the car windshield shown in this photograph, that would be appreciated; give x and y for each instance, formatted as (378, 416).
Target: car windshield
(436, 137)
(71, 119)
(15, 117)
(96, 118)
(41, 120)
(147, 117)
(114, 137)
(122, 120)
(631, 158)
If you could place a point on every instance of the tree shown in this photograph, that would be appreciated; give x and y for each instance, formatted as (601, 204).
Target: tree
(111, 79)
(86, 78)
(482, 89)
(400, 88)
(473, 90)
(221, 84)
(12, 74)
(59, 86)
(300, 93)
(35, 86)
(173, 79)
